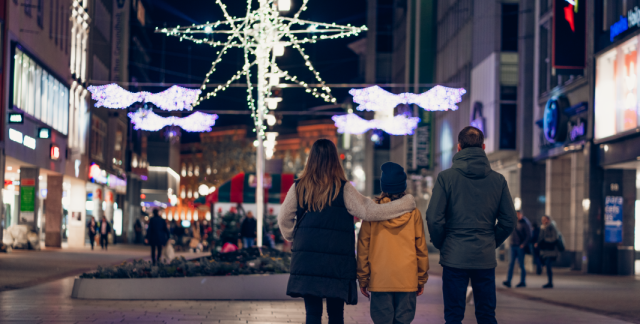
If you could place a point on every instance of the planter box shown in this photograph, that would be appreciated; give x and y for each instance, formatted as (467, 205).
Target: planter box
(247, 287)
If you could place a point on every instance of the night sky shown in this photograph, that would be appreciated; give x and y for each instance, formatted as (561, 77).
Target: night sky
(332, 58)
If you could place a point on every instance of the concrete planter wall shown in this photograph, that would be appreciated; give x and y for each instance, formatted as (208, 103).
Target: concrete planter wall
(248, 287)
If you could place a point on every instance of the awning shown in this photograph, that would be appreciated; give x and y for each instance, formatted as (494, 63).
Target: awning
(242, 189)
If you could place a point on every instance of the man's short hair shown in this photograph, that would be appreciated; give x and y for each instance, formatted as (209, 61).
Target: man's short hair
(470, 137)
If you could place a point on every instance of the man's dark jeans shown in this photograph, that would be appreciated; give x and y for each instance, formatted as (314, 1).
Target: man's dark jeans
(454, 288)
(516, 253)
(335, 310)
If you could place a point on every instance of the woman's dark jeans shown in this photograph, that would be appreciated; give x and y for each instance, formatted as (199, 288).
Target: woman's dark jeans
(335, 310)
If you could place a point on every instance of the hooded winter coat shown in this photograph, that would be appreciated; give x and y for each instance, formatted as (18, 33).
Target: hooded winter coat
(471, 212)
(392, 255)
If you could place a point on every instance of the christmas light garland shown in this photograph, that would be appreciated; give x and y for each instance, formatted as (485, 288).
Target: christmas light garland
(262, 33)
(113, 96)
(147, 120)
(374, 98)
(397, 125)
(438, 98)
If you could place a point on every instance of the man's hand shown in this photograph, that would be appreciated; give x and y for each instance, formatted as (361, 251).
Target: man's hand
(146, 241)
(535, 245)
(420, 291)
(522, 246)
(364, 291)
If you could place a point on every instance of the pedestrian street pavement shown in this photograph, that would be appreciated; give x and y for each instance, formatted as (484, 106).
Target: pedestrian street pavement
(50, 303)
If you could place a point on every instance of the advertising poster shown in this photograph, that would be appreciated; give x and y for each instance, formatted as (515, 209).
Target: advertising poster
(613, 219)
(616, 93)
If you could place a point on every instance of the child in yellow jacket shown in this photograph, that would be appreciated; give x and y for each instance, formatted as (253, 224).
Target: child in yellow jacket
(392, 256)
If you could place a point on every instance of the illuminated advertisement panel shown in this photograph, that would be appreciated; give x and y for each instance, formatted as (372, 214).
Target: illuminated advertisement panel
(569, 34)
(616, 93)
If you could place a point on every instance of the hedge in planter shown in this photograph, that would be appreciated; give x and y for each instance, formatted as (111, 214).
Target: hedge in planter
(242, 262)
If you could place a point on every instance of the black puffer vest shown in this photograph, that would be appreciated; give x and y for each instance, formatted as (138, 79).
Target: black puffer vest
(323, 263)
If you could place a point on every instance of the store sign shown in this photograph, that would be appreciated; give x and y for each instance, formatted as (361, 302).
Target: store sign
(554, 123)
(97, 175)
(16, 118)
(569, 34)
(625, 23)
(54, 153)
(577, 130)
(613, 219)
(616, 90)
(477, 119)
(44, 132)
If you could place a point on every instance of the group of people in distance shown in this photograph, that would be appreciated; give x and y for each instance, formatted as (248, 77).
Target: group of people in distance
(470, 214)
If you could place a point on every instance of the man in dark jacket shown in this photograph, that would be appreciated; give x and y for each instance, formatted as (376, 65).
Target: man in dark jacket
(520, 241)
(249, 231)
(157, 235)
(470, 214)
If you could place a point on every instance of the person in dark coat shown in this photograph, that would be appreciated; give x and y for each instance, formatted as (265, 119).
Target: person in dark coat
(157, 235)
(519, 242)
(105, 229)
(548, 245)
(323, 263)
(249, 231)
(535, 233)
(470, 214)
(92, 227)
(137, 228)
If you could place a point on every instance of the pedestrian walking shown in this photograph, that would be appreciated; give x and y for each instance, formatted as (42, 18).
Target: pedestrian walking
(137, 228)
(535, 233)
(157, 235)
(548, 245)
(392, 256)
(105, 229)
(520, 240)
(317, 215)
(470, 214)
(249, 231)
(93, 231)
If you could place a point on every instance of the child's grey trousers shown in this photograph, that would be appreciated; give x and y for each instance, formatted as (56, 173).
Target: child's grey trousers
(393, 307)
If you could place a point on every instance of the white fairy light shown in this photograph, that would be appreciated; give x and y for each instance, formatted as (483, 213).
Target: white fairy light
(284, 5)
(438, 98)
(374, 98)
(113, 96)
(147, 120)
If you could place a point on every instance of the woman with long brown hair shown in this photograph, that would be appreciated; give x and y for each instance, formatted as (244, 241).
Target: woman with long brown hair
(317, 215)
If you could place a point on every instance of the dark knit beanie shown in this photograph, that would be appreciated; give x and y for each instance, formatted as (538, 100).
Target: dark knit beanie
(393, 180)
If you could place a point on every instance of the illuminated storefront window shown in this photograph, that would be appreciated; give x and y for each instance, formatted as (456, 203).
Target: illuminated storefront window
(39, 93)
(616, 100)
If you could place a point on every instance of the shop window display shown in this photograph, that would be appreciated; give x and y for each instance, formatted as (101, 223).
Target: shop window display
(39, 93)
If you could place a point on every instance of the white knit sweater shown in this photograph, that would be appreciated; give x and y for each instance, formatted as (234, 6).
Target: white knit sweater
(357, 205)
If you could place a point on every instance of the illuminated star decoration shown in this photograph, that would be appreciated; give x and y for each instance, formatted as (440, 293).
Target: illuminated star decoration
(374, 98)
(174, 98)
(263, 35)
(147, 120)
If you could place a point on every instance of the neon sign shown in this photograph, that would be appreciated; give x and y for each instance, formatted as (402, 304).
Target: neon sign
(102, 177)
(622, 25)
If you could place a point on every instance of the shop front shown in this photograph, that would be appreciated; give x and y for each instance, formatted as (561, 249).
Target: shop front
(561, 137)
(617, 153)
(106, 197)
(40, 172)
